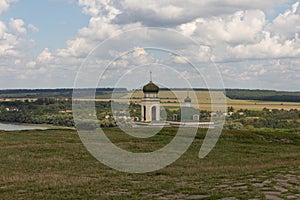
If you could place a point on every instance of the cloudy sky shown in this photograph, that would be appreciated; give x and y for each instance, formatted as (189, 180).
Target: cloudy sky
(249, 43)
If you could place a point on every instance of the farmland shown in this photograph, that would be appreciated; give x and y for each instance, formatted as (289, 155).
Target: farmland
(173, 98)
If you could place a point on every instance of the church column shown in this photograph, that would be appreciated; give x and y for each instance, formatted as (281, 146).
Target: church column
(142, 114)
(158, 112)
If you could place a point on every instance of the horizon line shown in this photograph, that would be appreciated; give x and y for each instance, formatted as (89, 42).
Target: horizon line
(175, 88)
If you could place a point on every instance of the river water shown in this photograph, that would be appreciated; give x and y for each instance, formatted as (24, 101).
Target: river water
(17, 127)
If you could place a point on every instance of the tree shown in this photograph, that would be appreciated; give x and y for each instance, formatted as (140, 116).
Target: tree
(230, 109)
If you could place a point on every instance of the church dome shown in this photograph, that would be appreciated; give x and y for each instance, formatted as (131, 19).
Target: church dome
(151, 87)
(188, 100)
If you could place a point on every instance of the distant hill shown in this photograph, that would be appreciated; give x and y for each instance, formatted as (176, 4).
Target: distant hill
(54, 93)
(105, 93)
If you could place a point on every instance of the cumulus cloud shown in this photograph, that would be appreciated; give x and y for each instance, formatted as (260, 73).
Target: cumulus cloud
(248, 34)
(109, 17)
(4, 5)
(170, 13)
(287, 25)
(241, 27)
(12, 39)
(2, 29)
(31, 64)
(14, 46)
(268, 47)
(33, 28)
(230, 31)
(17, 26)
(45, 56)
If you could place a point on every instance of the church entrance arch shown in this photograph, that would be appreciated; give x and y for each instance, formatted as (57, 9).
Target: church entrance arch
(144, 113)
(153, 113)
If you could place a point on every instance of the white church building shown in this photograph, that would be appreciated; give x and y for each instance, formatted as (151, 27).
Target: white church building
(150, 108)
(150, 103)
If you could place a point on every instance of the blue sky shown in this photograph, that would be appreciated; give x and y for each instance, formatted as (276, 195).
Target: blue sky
(56, 20)
(59, 20)
(255, 44)
(279, 8)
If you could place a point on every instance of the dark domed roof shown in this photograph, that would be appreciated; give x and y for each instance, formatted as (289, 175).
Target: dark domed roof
(188, 100)
(151, 87)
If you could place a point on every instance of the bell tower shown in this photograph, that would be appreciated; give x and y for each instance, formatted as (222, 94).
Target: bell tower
(187, 101)
(150, 103)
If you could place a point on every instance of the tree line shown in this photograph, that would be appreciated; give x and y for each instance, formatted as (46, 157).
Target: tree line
(266, 118)
(263, 95)
(59, 112)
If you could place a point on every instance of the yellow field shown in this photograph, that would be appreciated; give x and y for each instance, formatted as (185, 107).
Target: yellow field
(200, 99)
(16, 99)
(204, 98)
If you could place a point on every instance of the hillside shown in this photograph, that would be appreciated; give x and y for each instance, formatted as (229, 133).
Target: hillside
(54, 164)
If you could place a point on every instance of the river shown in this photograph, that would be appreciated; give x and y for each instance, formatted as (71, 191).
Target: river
(18, 127)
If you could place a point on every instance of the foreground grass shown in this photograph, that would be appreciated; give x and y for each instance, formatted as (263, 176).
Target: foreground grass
(54, 164)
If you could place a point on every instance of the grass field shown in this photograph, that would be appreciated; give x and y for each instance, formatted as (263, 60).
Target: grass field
(54, 164)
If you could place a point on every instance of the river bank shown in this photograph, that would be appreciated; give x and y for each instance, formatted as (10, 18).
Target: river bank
(20, 127)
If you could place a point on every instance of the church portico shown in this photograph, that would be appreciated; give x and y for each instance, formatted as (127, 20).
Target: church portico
(150, 103)
(186, 116)
(150, 110)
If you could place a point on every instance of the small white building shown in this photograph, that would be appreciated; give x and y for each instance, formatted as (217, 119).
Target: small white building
(150, 103)
(187, 102)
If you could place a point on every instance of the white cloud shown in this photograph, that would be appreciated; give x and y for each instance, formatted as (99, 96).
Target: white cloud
(177, 12)
(241, 27)
(287, 25)
(33, 28)
(268, 47)
(234, 30)
(97, 8)
(14, 47)
(231, 30)
(44, 57)
(139, 52)
(4, 5)
(180, 59)
(248, 34)
(17, 26)
(98, 29)
(242, 33)
(2, 30)
(31, 64)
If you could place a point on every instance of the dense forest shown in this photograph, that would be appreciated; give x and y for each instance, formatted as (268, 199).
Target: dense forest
(263, 95)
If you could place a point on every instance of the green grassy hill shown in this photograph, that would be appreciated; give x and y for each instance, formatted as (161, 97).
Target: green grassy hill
(54, 164)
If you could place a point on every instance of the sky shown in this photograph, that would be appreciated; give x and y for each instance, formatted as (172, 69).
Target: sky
(210, 43)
